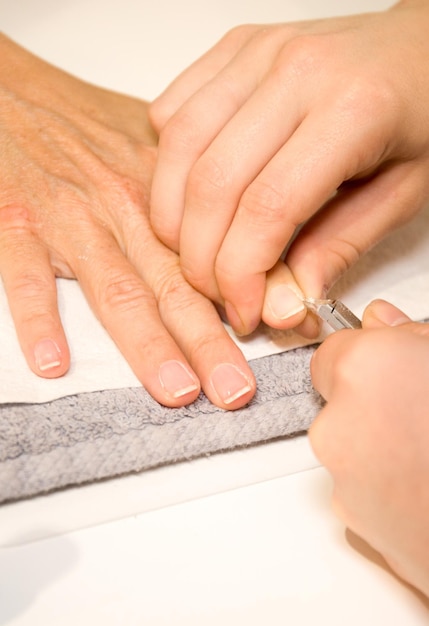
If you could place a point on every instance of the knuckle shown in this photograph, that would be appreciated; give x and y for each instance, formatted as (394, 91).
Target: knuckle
(29, 286)
(184, 291)
(125, 293)
(302, 55)
(201, 279)
(229, 273)
(205, 345)
(343, 254)
(173, 292)
(32, 300)
(263, 202)
(14, 218)
(364, 96)
(193, 276)
(236, 37)
(127, 193)
(208, 178)
(181, 133)
(178, 304)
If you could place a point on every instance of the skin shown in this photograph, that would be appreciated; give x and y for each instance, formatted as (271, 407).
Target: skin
(372, 434)
(77, 164)
(323, 123)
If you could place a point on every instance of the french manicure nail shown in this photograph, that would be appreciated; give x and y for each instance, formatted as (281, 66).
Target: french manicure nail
(47, 355)
(229, 382)
(283, 302)
(176, 379)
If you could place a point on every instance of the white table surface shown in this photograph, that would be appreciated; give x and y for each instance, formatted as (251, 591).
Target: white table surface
(246, 537)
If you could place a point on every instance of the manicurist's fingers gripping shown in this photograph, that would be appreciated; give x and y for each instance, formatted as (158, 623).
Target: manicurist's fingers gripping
(295, 113)
(198, 74)
(188, 131)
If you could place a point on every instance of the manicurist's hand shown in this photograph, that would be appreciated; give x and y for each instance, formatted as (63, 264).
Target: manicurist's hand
(76, 169)
(373, 434)
(260, 134)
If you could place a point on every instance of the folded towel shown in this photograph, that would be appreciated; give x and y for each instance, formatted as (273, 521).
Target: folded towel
(92, 436)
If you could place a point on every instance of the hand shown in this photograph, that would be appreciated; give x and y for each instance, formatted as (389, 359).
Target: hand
(372, 435)
(77, 164)
(274, 123)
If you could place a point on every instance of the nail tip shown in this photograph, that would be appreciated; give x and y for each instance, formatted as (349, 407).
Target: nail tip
(237, 395)
(185, 391)
(48, 366)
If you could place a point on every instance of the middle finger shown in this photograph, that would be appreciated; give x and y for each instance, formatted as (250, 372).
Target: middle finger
(193, 322)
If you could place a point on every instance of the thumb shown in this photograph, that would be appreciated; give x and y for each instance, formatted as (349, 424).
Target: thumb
(380, 313)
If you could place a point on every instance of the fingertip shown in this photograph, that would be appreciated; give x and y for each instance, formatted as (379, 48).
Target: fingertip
(49, 358)
(283, 307)
(310, 327)
(381, 313)
(179, 385)
(230, 387)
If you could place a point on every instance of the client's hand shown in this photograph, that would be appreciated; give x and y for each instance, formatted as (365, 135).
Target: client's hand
(76, 168)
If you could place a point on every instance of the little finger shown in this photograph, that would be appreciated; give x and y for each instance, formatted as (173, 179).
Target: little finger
(29, 283)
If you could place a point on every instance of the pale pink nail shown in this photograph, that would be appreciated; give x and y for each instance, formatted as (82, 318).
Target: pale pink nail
(284, 302)
(47, 355)
(176, 379)
(229, 382)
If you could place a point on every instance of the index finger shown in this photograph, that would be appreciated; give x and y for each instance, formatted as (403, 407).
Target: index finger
(198, 74)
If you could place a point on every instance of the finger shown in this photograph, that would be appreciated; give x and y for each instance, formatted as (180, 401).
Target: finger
(198, 74)
(189, 133)
(128, 310)
(380, 313)
(193, 323)
(353, 222)
(293, 185)
(215, 186)
(29, 283)
(192, 320)
(248, 211)
(283, 304)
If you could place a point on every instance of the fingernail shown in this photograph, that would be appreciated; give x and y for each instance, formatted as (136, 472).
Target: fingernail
(229, 382)
(176, 379)
(283, 302)
(47, 355)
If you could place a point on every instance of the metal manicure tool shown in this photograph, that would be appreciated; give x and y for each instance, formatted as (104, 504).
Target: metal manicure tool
(334, 312)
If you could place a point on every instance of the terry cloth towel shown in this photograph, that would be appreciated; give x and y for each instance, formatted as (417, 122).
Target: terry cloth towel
(92, 436)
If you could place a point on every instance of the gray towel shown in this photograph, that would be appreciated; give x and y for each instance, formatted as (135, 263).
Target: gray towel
(93, 436)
